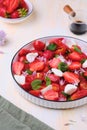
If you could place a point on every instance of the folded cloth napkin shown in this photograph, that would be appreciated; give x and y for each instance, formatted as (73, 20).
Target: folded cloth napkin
(13, 118)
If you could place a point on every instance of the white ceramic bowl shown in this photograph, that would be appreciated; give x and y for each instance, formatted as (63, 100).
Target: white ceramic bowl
(44, 102)
(18, 20)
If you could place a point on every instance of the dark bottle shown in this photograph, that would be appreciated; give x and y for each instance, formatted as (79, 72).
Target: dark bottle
(78, 27)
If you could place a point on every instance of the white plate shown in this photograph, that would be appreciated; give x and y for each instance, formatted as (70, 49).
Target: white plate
(44, 102)
(18, 20)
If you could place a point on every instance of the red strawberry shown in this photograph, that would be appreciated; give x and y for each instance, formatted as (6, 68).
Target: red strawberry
(3, 12)
(37, 66)
(75, 65)
(75, 56)
(17, 67)
(26, 86)
(6, 3)
(51, 95)
(13, 5)
(54, 62)
(71, 77)
(19, 13)
(79, 94)
(24, 5)
(83, 84)
(23, 52)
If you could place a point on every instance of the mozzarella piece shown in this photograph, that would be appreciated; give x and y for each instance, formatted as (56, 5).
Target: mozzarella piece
(20, 79)
(57, 72)
(84, 65)
(49, 87)
(70, 88)
(31, 56)
(61, 58)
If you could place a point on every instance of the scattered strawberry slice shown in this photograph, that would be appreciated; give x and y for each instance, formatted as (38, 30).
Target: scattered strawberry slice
(75, 56)
(17, 67)
(79, 94)
(37, 66)
(51, 95)
(75, 66)
(54, 62)
(71, 77)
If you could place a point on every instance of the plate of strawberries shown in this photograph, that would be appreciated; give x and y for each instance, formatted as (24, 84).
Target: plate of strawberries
(52, 72)
(15, 11)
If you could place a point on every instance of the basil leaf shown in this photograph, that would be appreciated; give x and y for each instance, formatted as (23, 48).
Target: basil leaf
(48, 81)
(62, 66)
(52, 47)
(29, 71)
(76, 48)
(36, 84)
(83, 60)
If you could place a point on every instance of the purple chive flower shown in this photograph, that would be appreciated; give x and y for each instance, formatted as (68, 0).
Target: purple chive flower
(2, 37)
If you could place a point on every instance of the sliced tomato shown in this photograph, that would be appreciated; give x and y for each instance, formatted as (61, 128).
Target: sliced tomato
(79, 94)
(53, 63)
(75, 56)
(48, 54)
(51, 95)
(53, 77)
(71, 77)
(74, 66)
(37, 66)
(39, 45)
(35, 92)
(17, 67)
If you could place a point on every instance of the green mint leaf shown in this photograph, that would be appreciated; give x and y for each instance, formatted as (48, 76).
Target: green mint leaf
(76, 48)
(48, 81)
(62, 66)
(29, 71)
(36, 84)
(52, 47)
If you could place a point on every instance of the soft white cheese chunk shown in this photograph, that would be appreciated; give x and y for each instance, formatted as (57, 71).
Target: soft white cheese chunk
(70, 88)
(20, 79)
(31, 56)
(84, 65)
(49, 87)
(57, 72)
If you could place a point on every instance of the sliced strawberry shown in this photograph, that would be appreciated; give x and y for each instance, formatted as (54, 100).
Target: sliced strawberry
(79, 94)
(83, 84)
(74, 66)
(58, 41)
(35, 92)
(48, 54)
(23, 52)
(17, 67)
(37, 66)
(54, 62)
(51, 95)
(53, 77)
(71, 77)
(39, 45)
(75, 56)
(29, 79)
(26, 86)
(55, 87)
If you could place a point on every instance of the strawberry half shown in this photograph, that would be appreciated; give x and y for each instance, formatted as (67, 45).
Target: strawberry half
(24, 5)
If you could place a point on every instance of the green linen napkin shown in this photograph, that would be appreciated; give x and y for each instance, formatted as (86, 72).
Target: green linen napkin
(13, 118)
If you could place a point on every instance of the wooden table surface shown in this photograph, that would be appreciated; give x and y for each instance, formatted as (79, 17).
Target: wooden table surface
(47, 19)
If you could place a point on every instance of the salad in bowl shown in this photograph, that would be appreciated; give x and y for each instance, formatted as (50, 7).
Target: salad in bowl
(52, 71)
